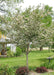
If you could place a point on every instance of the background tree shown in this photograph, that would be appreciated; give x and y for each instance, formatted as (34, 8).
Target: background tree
(47, 20)
(53, 34)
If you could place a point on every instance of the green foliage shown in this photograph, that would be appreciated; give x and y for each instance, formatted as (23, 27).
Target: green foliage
(49, 65)
(18, 51)
(10, 53)
(53, 41)
(5, 70)
(47, 19)
(23, 49)
(53, 45)
(47, 8)
(8, 48)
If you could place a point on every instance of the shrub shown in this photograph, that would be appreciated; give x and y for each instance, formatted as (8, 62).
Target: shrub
(8, 48)
(5, 70)
(18, 51)
(23, 49)
(10, 53)
(22, 71)
(32, 68)
(49, 65)
(41, 69)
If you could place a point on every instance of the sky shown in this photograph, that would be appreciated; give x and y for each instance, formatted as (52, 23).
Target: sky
(28, 3)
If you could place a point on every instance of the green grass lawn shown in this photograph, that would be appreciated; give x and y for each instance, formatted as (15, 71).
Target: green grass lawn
(36, 58)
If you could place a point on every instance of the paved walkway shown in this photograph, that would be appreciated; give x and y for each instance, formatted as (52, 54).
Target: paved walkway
(34, 73)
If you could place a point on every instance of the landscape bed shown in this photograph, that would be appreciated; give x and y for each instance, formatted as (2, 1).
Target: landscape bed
(36, 59)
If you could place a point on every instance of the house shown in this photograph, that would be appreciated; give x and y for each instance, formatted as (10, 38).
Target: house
(5, 42)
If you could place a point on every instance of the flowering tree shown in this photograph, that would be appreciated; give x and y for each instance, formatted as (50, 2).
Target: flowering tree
(9, 6)
(27, 27)
(7, 9)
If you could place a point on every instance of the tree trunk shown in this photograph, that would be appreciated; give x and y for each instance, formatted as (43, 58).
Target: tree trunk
(27, 51)
(41, 48)
(27, 60)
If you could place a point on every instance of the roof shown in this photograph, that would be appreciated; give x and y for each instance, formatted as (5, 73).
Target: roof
(3, 38)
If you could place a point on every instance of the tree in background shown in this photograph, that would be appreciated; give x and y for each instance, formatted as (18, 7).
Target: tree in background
(47, 20)
(53, 34)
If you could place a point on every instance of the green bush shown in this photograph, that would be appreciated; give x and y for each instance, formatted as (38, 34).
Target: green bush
(49, 65)
(23, 50)
(5, 70)
(10, 53)
(52, 50)
(8, 48)
(18, 51)
(53, 45)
